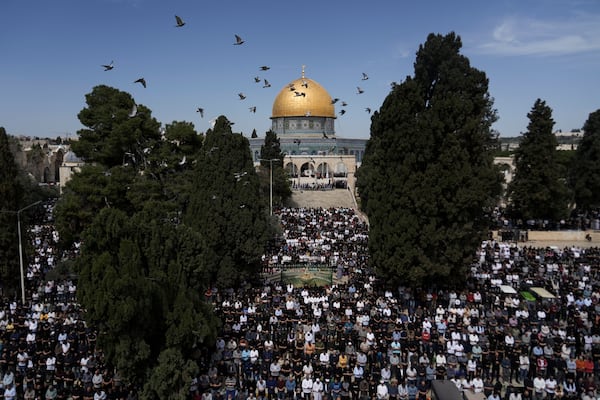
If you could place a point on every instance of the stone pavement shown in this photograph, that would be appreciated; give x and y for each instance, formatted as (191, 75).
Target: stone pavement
(322, 198)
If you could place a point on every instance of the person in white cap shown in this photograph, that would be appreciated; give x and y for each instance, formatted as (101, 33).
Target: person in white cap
(317, 389)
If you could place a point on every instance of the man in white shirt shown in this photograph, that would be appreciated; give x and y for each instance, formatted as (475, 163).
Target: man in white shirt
(539, 387)
(382, 391)
(317, 389)
(307, 384)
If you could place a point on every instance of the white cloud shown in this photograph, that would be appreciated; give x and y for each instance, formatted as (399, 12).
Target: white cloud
(517, 36)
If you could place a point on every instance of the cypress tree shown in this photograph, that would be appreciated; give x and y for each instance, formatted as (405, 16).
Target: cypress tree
(427, 177)
(537, 190)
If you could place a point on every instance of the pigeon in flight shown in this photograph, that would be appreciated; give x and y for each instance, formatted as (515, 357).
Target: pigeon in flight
(242, 96)
(141, 80)
(109, 66)
(183, 160)
(359, 90)
(342, 112)
(179, 21)
(305, 83)
(257, 79)
(252, 109)
(368, 110)
(291, 86)
(344, 104)
(265, 68)
(298, 94)
(133, 111)
(297, 141)
(238, 40)
(365, 76)
(335, 100)
(267, 84)
(201, 111)
(325, 136)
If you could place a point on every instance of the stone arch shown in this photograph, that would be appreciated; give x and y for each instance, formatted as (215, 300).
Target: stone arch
(340, 170)
(307, 169)
(291, 169)
(58, 160)
(46, 175)
(323, 170)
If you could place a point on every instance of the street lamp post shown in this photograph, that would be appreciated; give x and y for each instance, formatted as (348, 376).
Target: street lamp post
(270, 182)
(18, 212)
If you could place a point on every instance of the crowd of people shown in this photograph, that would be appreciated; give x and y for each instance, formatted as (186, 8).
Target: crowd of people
(46, 349)
(359, 339)
(356, 338)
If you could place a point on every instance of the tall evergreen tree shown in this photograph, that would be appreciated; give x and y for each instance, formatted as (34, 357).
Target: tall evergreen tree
(141, 270)
(227, 209)
(11, 197)
(537, 190)
(271, 150)
(117, 130)
(428, 176)
(584, 176)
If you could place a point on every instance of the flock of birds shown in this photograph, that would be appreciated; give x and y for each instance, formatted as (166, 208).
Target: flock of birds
(179, 23)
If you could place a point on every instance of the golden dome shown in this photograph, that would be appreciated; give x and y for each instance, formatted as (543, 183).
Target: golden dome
(303, 97)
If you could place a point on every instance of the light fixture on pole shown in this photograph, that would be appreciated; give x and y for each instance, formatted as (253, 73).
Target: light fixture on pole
(270, 182)
(18, 212)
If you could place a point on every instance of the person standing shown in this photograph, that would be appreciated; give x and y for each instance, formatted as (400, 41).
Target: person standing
(317, 389)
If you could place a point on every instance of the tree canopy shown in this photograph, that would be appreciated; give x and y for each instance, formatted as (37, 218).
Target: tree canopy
(271, 150)
(162, 215)
(227, 208)
(537, 190)
(427, 176)
(11, 200)
(584, 177)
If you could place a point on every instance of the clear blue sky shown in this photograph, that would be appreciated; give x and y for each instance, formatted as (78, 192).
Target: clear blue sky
(51, 54)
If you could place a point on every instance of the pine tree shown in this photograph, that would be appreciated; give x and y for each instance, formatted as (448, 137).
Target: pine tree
(428, 176)
(537, 190)
(584, 176)
(271, 150)
(11, 197)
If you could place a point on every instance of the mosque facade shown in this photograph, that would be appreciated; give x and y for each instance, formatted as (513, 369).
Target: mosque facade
(303, 117)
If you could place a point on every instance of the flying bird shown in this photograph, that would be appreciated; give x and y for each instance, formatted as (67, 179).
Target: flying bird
(201, 111)
(298, 94)
(267, 84)
(359, 90)
(257, 79)
(252, 109)
(342, 112)
(133, 111)
(179, 22)
(305, 83)
(183, 160)
(365, 76)
(325, 136)
(344, 104)
(141, 80)
(242, 96)
(297, 141)
(109, 66)
(264, 68)
(238, 40)
(368, 110)
(335, 100)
